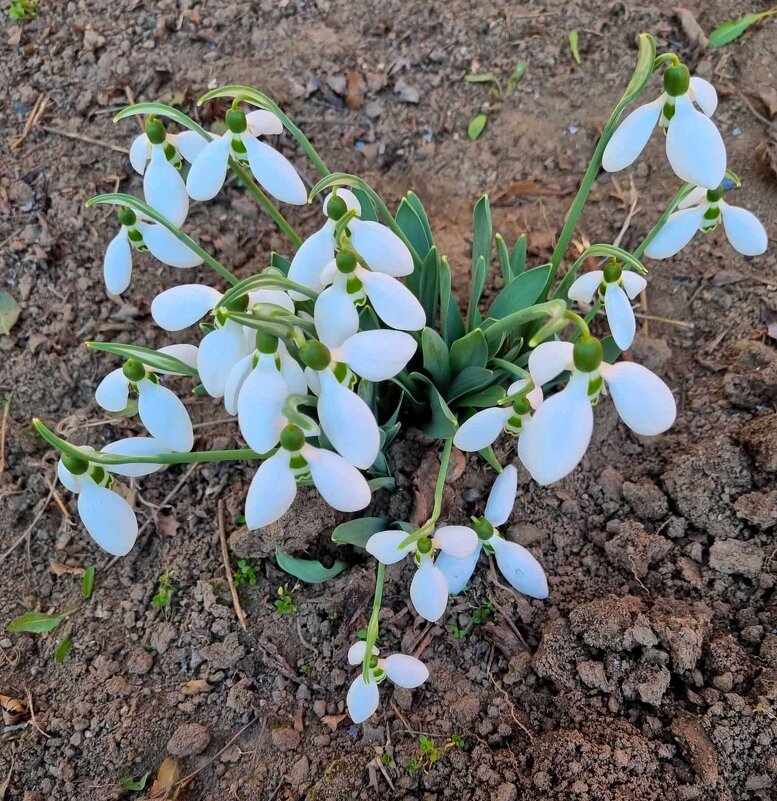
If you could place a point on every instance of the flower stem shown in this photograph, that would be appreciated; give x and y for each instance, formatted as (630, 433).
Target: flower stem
(673, 204)
(373, 625)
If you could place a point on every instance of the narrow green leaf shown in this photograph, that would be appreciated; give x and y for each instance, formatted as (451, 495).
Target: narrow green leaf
(476, 126)
(481, 256)
(367, 207)
(419, 209)
(484, 399)
(87, 582)
(504, 259)
(381, 482)
(436, 358)
(280, 262)
(481, 77)
(574, 46)
(523, 291)
(411, 224)
(357, 532)
(63, 648)
(610, 351)
(429, 285)
(311, 571)
(35, 623)
(451, 322)
(443, 422)
(469, 351)
(151, 358)
(489, 455)
(9, 313)
(518, 256)
(469, 381)
(516, 76)
(733, 29)
(135, 785)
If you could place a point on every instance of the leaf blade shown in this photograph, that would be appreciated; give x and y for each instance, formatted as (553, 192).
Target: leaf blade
(311, 571)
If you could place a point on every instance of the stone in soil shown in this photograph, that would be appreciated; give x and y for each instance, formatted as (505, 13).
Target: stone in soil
(189, 739)
(736, 557)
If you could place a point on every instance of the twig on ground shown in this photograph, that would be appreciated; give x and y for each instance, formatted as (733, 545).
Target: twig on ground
(241, 616)
(82, 138)
(26, 532)
(31, 710)
(3, 430)
(32, 118)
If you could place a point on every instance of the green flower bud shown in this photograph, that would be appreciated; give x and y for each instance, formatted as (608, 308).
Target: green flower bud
(266, 343)
(677, 79)
(346, 262)
(482, 528)
(236, 121)
(373, 662)
(155, 131)
(292, 438)
(714, 195)
(315, 354)
(75, 464)
(521, 406)
(612, 272)
(336, 208)
(587, 354)
(127, 216)
(134, 370)
(424, 545)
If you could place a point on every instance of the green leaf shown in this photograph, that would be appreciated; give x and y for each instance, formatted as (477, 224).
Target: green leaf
(381, 482)
(419, 209)
(481, 257)
(135, 785)
(429, 285)
(484, 399)
(523, 291)
(9, 313)
(489, 455)
(63, 648)
(151, 358)
(481, 77)
(443, 422)
(367, 208)
(518, 256)
(436, 358)
(469, 351)
(357, 532)
(87, 582)
(476, 126)
(504, 259)
(469, 381)
(311, 571)
(733, 29)
(610, 351)
(451, 322)
(35, 623)
(408, 220)
(574, 46)
(519, 70)
(280, 262)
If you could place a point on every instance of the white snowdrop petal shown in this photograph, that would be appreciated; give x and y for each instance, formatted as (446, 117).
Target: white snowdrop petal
(164, 188)
(743, 230)
(703, 92)
(501, 499)
(272, 491)
(384, 546)
(520, 568)
(112, 392)
(480, 430)
(458, 541)
(676, 233)
(535, 398)
(219, 351)
(181, 306)
(362, 699)
(341, 485)
(139, 153)
(117, 263)
(693, 198)
(183, 351)
(165, 247)
(695, 147)
(135, 446)
(633, 283)
(335, 315)
(644, 402)
(263, 122)
(554, 441)
(108, 518)
(189, 143)
(276, 297)
(347, 422)
(378, 355)
(259, 407)
(310, 259)
(457, 572)
(549, 359)
(165, 416)
(631, 136)
(292, 372)
(405, 671)
(209, 169)
(585, 287)
(393, 302)
(73, 483)
(275, 172)
(357, 650)
(381, 248)
(620, 316)
(234, 383)
(429, 591)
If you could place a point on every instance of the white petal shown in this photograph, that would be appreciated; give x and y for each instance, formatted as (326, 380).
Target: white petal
(429, 591)
(310, 259)
(458, 541)
(362, 699)
(108, 518)
(693, 198)
(631, 136)
(620, 316)
(274, 172)
(263, 122)
(335, 315)
(259, 407)
(534, 396)
(219, 351)
(341, 485)
(164, 188)
(633, 283)
(292, 372)
(377, 355)
(165, 416)
(457, 572)
(209, 170)
(381, 248)
(234, 383)
(520, 568)
(393, 302)
(703, 92)
(644, 402)
(181, 306)
(165, 247)
(140, 153)
(183, 352)
(347, 422)
(117, 263)
(676, 233)
(405, 671)
(272, 491)
(744, 230)
(501, 499)
(695, 147)
(384, 546)
(72, 482)
(112, 392)
(554, 441)
(189, 143)
(357, 650)
(549, 359)
(135, 446)
(273, 296)
(480, 430)
(585, 287)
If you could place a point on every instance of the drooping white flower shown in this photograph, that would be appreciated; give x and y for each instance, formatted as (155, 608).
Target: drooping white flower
(702, 210)
(482, 429)
(557, 437)
(142, 234)
(694, 145)
(516, 563)
(618, 287)
(429, 588)
(273, 172)
(404, 670)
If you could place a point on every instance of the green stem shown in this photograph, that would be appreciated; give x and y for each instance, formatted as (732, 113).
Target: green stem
(674, 203)
(551, 308)
(373, 625)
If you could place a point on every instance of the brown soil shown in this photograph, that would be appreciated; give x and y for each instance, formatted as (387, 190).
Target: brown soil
(649, 673)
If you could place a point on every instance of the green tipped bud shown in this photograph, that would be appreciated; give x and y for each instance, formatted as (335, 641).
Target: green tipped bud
(424, 545)
(677, 79)
(127, 216)
(98, 474)
(315, 355)
(714, 195)
(612, 272)
(346, 262)
(587, 354)
(482, 528)
(373, 662)
(236, 121)
(75, 464)
(292, 439)
(134, 370)
(521, 406)
(336, 208)
(266, 343)
(155, 131)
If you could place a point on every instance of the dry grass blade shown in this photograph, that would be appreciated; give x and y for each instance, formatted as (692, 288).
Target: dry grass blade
(32, 119)
(230, 579)
(88, 139)
(3, 430)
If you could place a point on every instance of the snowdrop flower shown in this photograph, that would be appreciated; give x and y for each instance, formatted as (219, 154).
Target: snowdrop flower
(618, 287)
(405, 671)
(516, 564)
(429, 588)
(378, 246)
(336, 314)
(274, 486)
(556, 438)
(142, 234)
(160, 409)
(345, 418)
(694, 145)
(482, 429)
(106, 515)
(702, 210)
(272, 170)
